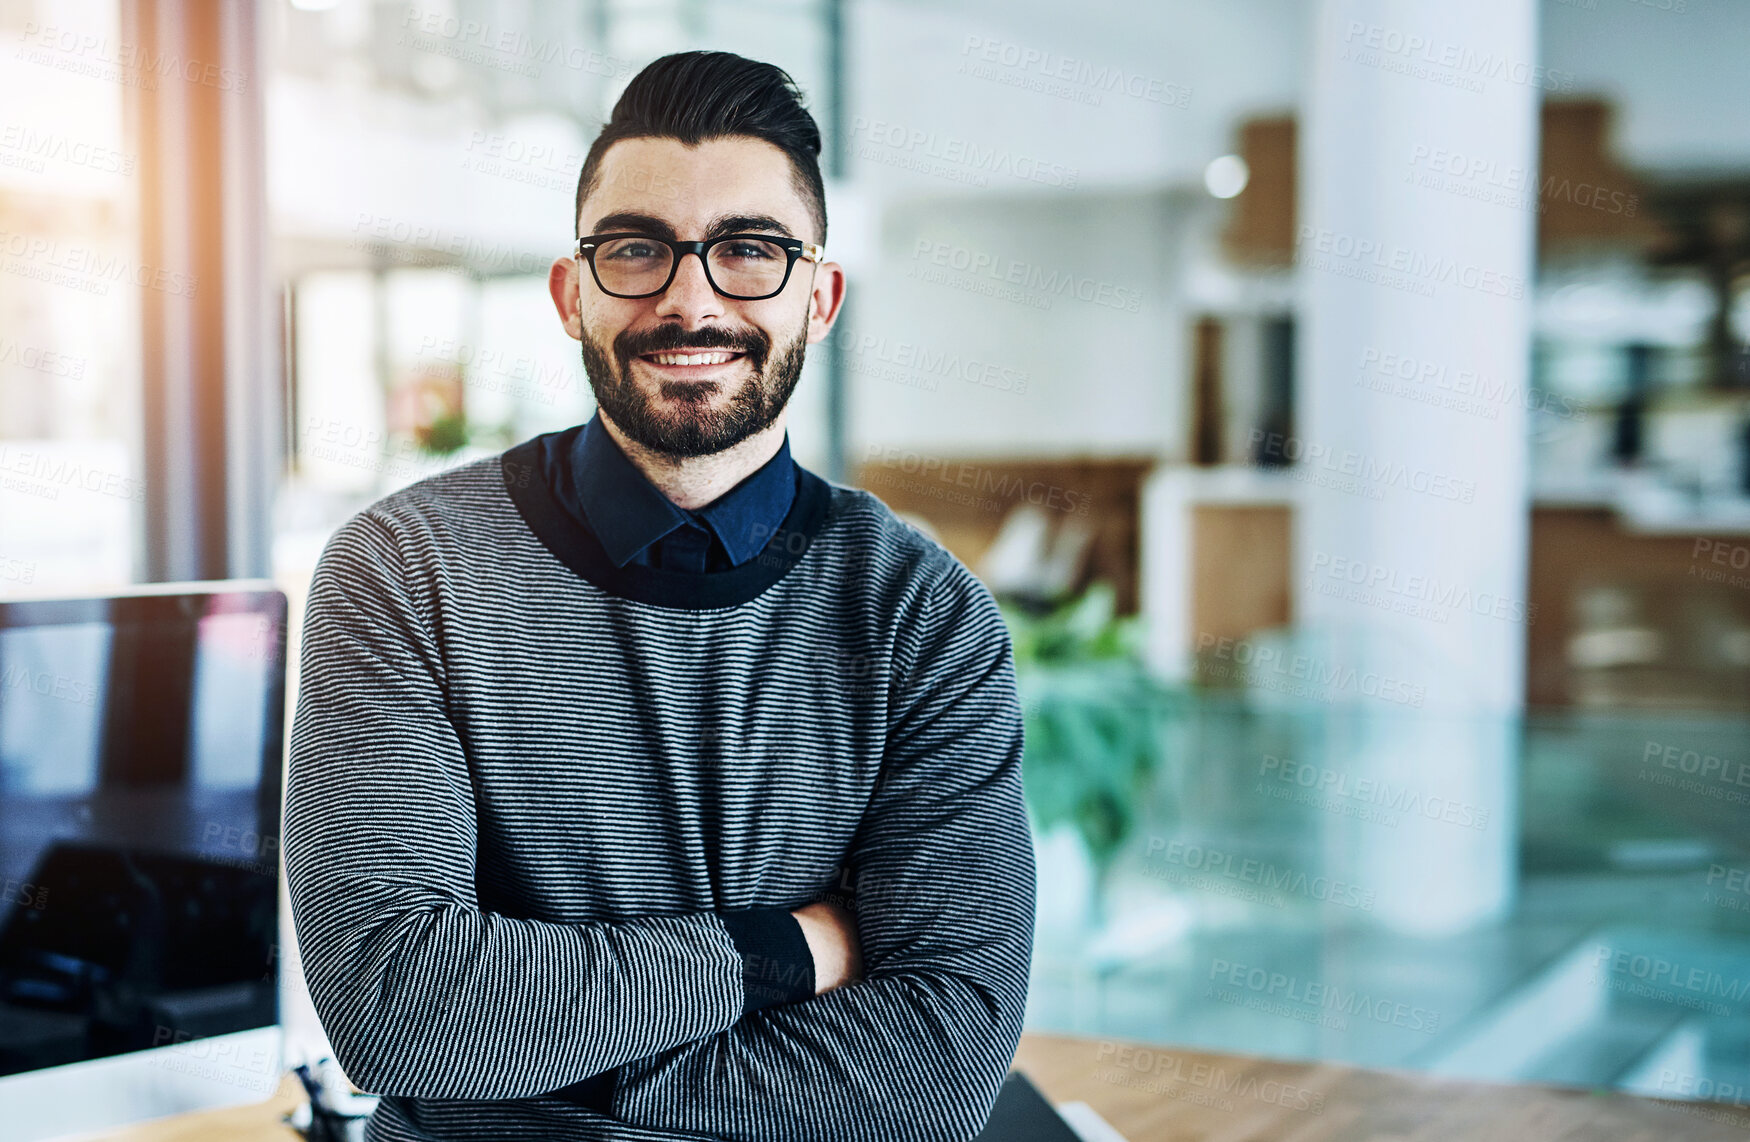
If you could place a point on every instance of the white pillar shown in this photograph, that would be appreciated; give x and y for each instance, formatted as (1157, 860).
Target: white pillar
(1411, 539)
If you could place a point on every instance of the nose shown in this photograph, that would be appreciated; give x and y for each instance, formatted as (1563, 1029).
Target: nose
(690, 294)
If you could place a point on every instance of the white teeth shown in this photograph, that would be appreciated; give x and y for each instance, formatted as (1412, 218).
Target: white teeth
(692, 358)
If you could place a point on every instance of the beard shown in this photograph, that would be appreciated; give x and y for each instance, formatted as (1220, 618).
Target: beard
(694, 428)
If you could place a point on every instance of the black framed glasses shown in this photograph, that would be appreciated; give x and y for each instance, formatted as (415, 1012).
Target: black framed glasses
(746, 267)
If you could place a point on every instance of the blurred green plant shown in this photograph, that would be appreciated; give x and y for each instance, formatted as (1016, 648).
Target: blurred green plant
(447, 433)
(1095, 719)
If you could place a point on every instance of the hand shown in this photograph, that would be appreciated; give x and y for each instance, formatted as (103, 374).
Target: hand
(831, 932)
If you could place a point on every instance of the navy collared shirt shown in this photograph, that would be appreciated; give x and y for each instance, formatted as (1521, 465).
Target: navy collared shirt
(636, 524)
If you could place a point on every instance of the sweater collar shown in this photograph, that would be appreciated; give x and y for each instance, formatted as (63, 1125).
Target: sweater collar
(628, 513)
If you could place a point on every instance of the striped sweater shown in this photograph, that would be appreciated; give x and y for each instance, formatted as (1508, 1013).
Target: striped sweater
(526, 788)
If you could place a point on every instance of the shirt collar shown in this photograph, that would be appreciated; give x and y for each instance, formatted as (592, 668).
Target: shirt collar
(628, 513)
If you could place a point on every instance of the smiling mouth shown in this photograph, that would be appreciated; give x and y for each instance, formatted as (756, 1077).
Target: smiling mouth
(696, 362)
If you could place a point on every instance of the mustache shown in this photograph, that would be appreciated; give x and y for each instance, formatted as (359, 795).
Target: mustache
(669, 339)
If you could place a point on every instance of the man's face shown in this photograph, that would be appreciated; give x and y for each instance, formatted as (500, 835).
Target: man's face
(667, 189)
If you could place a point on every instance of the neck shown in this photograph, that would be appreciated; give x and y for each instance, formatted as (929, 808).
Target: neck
(691, 482)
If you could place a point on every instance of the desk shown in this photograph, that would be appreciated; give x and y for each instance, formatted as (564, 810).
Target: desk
(1152, 1094)
(1193, 1096)
(258, 1122)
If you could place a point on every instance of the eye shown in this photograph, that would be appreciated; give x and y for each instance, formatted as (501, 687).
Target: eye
(632, 248)
(749, 250)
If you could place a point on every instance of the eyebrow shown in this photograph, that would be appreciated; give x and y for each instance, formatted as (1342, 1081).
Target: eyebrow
(719, 226)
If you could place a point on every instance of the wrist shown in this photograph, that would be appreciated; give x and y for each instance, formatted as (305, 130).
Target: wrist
(832, 944)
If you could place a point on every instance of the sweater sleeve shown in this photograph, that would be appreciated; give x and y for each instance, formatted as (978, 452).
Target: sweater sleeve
(421, 991)
(944, 888)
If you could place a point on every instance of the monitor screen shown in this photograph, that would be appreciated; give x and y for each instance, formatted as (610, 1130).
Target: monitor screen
(140, 757)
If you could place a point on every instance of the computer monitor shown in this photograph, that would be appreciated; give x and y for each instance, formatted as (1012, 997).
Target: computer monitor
(141, 740)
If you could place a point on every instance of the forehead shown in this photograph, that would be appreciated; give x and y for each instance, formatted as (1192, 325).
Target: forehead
(689, 186)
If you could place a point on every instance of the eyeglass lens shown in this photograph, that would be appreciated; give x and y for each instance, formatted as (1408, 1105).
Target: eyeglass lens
(747, 266)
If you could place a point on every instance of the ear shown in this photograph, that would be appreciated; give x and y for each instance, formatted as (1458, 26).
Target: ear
(564, 277)
(825, 300)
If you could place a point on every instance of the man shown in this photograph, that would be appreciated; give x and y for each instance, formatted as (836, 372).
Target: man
(590, 736)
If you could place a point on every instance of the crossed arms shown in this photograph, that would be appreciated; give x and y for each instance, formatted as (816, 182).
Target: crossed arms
(425, 994)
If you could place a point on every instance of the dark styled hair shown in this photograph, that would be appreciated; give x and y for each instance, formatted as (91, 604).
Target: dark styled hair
(694, 96)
